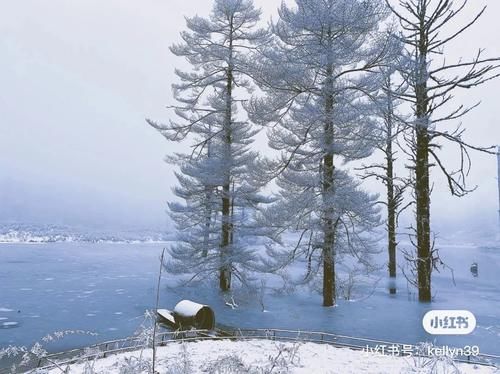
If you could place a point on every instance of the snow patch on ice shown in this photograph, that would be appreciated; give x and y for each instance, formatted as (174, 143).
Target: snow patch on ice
(5, 310)
(9, 324)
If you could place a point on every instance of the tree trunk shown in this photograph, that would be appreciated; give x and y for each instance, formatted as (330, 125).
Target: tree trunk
(424, 263)
(391, 226)
(329, 229)
(225, 268)
(391, 206)
(328, 276)
(208, 221)
(329, 236)
(422, 191)
(225, 255)
(208, 204)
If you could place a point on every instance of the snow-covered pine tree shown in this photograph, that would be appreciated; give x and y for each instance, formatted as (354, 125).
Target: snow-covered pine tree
(317, 75)
(196, 219)
(427, 29)
(218, 179)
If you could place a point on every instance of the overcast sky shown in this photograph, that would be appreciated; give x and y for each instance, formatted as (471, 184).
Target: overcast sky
(77, 79)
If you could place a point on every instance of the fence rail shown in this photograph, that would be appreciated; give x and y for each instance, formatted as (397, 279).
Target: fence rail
(107, 348)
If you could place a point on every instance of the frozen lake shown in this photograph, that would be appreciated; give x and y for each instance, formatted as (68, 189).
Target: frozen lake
(106, 288)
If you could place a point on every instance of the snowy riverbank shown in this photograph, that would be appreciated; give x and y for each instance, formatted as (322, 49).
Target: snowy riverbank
(264, 356)
(34, 234)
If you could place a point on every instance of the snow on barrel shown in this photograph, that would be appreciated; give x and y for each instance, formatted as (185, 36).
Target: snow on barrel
(189, 313)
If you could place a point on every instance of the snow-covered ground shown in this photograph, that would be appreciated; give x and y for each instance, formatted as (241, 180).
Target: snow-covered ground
(264, 356)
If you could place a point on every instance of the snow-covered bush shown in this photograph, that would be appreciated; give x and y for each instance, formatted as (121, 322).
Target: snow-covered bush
(423, 364)
(286, 358)
(281, 362)
(30, 357)
(134, 365)
(228, 364)
(181, 365)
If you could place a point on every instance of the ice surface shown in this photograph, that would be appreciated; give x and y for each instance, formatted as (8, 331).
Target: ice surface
(125, 275)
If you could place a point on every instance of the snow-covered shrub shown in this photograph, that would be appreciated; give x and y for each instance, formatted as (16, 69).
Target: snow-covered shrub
(144, 334)
(31, 357)
(286, 358)
(423, 364)
(89, 357)
(280, 362)
(228, 364)
(134, 365)
(143, 339)
(89, 367)
(182, 364)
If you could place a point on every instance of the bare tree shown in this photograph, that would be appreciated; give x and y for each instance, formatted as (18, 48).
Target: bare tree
(432, 81)
(391, 128)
